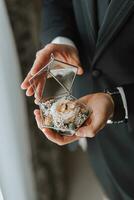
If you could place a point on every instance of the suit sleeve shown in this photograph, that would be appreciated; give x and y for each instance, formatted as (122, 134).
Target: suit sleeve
(58, 20)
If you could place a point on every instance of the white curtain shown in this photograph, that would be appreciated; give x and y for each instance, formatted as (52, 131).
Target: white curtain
(16, 177)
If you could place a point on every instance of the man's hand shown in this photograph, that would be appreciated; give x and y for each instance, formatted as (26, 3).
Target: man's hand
(102, 107)
(65, 53)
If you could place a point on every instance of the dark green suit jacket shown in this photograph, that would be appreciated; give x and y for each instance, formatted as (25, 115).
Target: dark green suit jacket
(107, 56)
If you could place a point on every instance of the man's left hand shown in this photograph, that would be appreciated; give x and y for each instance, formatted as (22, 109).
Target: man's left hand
(102, 107)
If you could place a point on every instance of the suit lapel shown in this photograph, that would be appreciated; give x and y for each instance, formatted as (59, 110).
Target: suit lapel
(115, 17)
(90, 12)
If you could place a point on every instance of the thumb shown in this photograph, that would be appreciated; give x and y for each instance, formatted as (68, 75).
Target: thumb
(86, 131)
(80, 70)
(76, 62)
(92, 129)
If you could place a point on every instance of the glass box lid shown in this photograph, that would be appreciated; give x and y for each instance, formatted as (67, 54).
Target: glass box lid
(53, 80)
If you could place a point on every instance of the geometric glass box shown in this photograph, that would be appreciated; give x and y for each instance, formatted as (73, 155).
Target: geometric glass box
(59, 110)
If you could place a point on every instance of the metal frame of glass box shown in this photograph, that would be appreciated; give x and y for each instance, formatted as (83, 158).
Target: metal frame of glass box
(55, 81)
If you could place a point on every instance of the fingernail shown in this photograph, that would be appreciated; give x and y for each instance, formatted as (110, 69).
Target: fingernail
(27, 94)
(22, 87)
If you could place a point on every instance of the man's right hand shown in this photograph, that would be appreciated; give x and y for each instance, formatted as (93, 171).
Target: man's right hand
(65, 53)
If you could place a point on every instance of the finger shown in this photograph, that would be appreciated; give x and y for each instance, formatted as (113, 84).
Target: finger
(25, 84)
(42, 58)
(40, 61)
(38, 118)
(96, 124)
(30, 91)
(88, 121)
(70, 58)
(36, 112)
(85, 131)
(36, 101)
(77, 62)
(74, 61)
(80, 70)
(40, 87)
(85, 99)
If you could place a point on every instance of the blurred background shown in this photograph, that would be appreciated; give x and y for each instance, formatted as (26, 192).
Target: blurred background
(31, 167)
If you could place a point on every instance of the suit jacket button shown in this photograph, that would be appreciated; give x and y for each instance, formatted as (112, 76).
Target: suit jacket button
(96, 73)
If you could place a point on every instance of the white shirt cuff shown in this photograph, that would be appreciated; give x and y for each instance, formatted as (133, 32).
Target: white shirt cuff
(83, 143)
(63, 40)
(122, 93)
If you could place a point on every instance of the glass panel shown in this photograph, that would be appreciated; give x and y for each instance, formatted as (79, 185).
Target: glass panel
(59, 109)
(64, 74)
(53, 80)
(65, 114)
